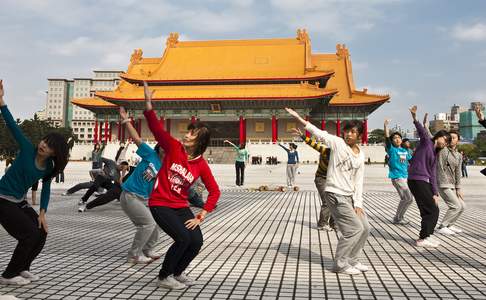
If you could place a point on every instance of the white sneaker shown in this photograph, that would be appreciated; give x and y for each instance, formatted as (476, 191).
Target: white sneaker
(361, 267)
(446, 231)
(142, 259)
(185, 280)
(65, 194)
(325, 228)
(426, 243)
(152, 254)
(433, 241)
(30, 276)
(170, 283)
(82, 208)
(455, 229)
(17, 280)
(351, 271)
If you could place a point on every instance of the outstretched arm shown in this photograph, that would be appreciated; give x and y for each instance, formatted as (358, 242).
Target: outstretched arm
(163, 137)
(309, 141)
(234, 146)
(10, 122)
(128, 125)
(283, 147)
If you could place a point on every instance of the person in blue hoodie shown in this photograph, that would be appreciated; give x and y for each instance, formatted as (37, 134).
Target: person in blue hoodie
(398, 172)
(17, 217)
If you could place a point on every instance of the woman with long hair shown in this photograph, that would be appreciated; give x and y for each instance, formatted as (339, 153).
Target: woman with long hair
(20, 220)
(183, 164)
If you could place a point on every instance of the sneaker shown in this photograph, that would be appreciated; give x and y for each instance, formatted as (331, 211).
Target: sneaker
(433, 241)
(426, 243)
(81, 202)
(170, 283)
(351, 271)
(361, 267)
(30, 276)
(455, 229)
(152, 254)
(66, 194)
(401, 222)
(17, 280)
(142, 259)
(446, 231)
(82, 208)
(185, 280)
(325, 228)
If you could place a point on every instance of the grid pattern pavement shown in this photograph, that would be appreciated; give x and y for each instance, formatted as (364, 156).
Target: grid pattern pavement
(258, 245)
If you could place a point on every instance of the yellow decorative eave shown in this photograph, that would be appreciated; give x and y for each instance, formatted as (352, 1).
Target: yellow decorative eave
(92, 103)
(221, 92)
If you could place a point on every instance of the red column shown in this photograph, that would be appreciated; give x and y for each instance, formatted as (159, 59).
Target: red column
(307, 133)
(111, 131)
(274, 129)
(95, 134)
(162, 122)
(167, 125)
(338, 127)
(364, 138)
(242, 130)
(193, 119)
(119, 131)
(323, 124)
(106, 132)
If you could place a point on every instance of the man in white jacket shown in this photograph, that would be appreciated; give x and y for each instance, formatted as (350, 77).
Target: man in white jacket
(344, 193)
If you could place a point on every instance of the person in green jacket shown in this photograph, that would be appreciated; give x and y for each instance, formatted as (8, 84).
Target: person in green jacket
(241, 160)
(20, 220)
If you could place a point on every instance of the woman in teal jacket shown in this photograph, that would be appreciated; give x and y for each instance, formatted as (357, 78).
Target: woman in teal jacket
(20, 220)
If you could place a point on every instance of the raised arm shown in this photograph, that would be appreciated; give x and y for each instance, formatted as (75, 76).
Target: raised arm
(480, 115)
(233, 145)
(10, 122)
(387, 133)
(161, 136)
(329, 140)
(283, 147)
(427, 125)
(128, 125)
(422, 132)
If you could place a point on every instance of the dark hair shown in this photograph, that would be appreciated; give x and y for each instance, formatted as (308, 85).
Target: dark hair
(456, 133)
(353, 124)
(203, 136)
(95, 145)
(396, 133)
(158, 149)
(442, 133)
(242, 146)
(124, 163)
(59, 145)
(292, 145)
(405, 140)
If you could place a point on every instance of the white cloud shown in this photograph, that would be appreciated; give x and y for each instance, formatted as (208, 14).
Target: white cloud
(470, 33)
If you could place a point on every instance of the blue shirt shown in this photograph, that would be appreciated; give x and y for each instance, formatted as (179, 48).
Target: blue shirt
(292, 155)
(398, 161)
(142, 180)
(23, 173)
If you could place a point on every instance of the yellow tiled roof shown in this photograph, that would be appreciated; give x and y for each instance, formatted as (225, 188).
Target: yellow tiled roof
(92, 103)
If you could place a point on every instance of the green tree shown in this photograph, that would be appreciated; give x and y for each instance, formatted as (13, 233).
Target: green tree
(376, 136)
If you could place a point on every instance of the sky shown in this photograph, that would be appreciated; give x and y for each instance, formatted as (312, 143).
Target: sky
(431, 53)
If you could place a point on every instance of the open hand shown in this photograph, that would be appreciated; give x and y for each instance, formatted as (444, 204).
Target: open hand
(387, 122)
(425, 120)
(192, 223)
(359, 211)
(42, 221)
(123, 113)
(296, 131)
(148, 94)
(2, 93)
(436, 200)
(477, 109)
(292, 112)
(413, 111)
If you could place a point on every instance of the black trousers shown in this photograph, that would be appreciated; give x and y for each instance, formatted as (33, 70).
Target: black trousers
(20, 221)
(187, 243)
(100, 181)
(429, 211)
(112, 194)
(240, 172)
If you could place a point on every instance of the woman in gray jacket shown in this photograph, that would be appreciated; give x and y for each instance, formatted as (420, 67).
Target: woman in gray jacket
(449, 175)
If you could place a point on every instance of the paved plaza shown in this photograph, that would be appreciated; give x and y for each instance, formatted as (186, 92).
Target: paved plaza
(260, 245)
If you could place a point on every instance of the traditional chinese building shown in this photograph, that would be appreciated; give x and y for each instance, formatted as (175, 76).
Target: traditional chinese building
(239, 87)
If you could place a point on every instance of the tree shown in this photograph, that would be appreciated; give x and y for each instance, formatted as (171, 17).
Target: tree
(376, 136)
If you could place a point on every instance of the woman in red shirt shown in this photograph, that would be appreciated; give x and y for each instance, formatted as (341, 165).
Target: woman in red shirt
(183, 164)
